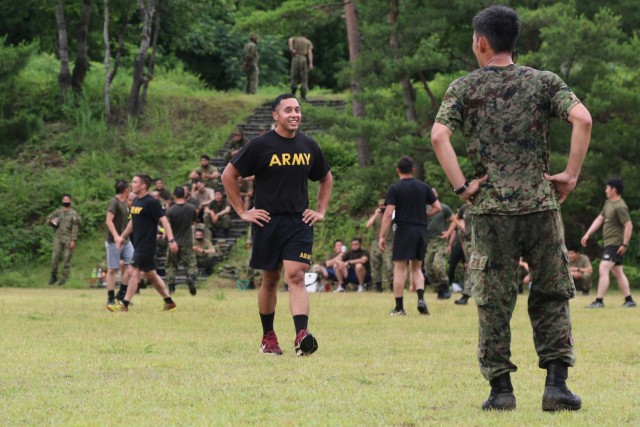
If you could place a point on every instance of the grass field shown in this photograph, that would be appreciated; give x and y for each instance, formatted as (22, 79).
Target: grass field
(65, 360)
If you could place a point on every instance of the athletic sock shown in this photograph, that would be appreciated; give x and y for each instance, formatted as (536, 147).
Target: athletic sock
(267, 323)
(628, 298)
(420, 294)
(122, 292)
(168, 300)
(600, 300)
(300, 321)
(399, 303)
(111, 295)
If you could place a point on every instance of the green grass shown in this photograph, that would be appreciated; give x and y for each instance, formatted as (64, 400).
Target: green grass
(65, 360)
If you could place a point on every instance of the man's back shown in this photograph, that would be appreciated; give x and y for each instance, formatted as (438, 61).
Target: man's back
(181, 217)
(410, 198)
(504, 113)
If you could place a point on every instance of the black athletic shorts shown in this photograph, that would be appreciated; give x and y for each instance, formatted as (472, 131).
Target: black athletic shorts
(285, 237)
(610, 253)
(144, 262)
(409, 242)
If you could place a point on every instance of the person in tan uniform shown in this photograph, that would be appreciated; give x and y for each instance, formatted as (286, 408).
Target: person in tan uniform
(301, 52)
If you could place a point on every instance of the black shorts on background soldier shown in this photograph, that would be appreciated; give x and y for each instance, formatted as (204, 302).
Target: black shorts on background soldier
(516, 203)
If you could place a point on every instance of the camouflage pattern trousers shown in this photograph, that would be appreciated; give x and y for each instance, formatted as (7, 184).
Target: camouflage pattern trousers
(252, 74)
(187, 257)
(61, 252)
(436, 262)
(381, 263)
(498, 241)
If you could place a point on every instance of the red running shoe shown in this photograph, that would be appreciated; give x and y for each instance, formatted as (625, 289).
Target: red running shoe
(305, 343)
(270, 344)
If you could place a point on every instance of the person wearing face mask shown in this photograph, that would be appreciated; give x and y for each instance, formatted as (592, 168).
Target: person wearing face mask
(66, 223)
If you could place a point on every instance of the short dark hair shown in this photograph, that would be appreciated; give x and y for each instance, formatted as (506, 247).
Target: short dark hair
(405, 164)
(500, 25)
(617, 184)
(359, 240)
(573, 247)
(67, 195)
(178, 192)
(218, 190)
(146, 180)
(280, 98)
(336, 241)
(157, 179)
(120, 186)
(204, 156)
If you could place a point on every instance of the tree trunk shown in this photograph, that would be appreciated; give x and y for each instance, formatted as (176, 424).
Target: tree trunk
(107, 58)
(82, 61)
(146, 13)
(357, 105)
(407, 88)
(64, 77)
(152, 59)
(408, 91)
(124, 23)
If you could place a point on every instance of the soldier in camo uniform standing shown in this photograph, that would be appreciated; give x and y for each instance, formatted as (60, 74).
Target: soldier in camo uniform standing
(503, 110)
(250, 59)
(381, 262)
(66, 222)
(301, 63)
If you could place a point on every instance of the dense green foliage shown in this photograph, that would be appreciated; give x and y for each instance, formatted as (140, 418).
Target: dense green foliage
(51, 145)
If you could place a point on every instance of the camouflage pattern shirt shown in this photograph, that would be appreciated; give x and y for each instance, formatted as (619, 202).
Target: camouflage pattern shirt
(504, 113)
(68, 224)
(250, 55)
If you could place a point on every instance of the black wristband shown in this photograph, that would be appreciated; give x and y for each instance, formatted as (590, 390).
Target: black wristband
(462, 189)
(172, 241)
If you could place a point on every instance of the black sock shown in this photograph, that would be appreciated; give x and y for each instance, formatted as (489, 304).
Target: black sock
(300, 321)
(125, 302)
(599, 300)
(399, 304)
(168, 300)
(267, 323)
(628, 298)
(111, 295)
(122, 292)
(420, 294)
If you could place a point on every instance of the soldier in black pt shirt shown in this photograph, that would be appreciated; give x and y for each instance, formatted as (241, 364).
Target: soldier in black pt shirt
(408, 197)
(282, 160)
(145, 214)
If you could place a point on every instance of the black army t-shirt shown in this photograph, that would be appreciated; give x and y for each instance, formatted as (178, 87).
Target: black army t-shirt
(181, 217)
(145, 214)
(410, 197)
(281, 167)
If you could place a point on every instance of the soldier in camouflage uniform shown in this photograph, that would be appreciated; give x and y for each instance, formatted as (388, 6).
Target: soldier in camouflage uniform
(217, 215)
(301, 63)
(250, 59)
(66, 222)
(503, 110)
(182, 216)
(381, 263)
(435, 263)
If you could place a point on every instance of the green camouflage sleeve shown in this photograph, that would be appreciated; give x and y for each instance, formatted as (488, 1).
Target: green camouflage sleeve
(75, 226)
(450, 113)
(562, 98)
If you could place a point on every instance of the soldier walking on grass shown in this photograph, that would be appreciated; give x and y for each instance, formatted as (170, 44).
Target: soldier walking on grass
(617, 234)
(301, 63)
(182, 216)
(66, 223)
(503, 109)
(408, 198)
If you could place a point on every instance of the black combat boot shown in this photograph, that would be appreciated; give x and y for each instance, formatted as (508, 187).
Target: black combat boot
(557, 396)
(501, 397)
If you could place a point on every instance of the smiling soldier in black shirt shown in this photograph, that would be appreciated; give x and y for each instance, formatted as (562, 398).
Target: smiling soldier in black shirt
(282, 160)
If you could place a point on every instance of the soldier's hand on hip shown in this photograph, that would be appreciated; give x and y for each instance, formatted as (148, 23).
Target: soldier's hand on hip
(310, 217)
(256, 216)
(473, 188)
(563, 183)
